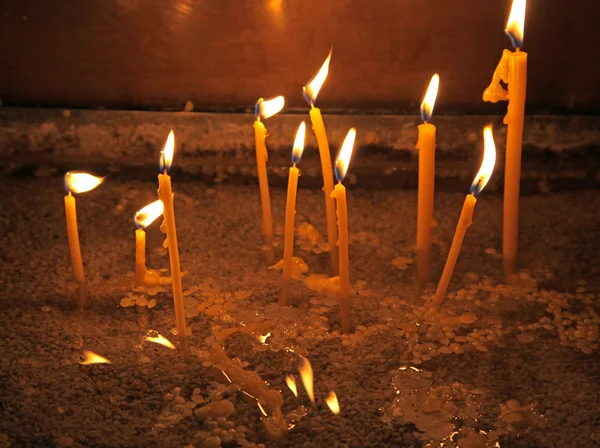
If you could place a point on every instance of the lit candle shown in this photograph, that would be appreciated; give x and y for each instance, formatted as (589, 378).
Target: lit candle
(311, 90)
(290, 212)
(77, 182)
(143, 218)
(265, 109)
(339, 193)
(466, 216)
(426, 147)
(165, 193)
(512, 70)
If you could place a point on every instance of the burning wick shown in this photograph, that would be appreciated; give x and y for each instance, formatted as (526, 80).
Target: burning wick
(306, 373)
(466, 216)
(77, 182)
(160, 339)
(332, 402)
(291, 383)
(92, 358)
(265, 109)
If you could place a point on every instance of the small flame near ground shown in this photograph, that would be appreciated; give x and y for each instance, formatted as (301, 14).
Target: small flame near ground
(160, 339)
(90, 357)
(291, 383)
(333, 403)
(306, 374)
(261, 408)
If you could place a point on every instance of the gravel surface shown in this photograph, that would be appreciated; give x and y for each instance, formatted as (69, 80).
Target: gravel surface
(510, 365)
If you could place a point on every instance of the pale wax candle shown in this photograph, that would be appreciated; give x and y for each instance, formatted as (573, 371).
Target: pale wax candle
(512, 70)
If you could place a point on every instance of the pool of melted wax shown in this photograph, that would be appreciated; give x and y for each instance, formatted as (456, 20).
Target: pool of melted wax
(448, 416)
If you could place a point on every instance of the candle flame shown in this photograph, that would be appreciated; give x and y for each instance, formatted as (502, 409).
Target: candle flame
(146, 216)
(343, 158)
(92, 358)
(166, 155)
(489, 160)
(430, 96)
(267, 108)
(306, 374)
(291, 383)
(515, 27)
(298, 147)
(260, 406)
(332, 402)
(160, 339)
(311, 90)
(80, 182)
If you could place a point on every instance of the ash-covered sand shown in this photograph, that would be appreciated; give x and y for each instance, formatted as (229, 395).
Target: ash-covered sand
(489, 370)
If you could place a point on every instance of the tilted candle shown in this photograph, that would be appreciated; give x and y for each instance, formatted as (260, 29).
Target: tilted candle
(466, 216)
(165, 193)
(77, 182)
(426, 147)
(265, 109)
(143, 218)
(290, 212)
(339, 193)
(311, 90)
(512, 70)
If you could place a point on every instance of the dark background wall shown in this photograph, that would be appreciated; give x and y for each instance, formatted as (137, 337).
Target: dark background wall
(141, 54)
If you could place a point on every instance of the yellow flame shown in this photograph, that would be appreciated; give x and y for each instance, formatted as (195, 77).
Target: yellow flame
(263, 339)
(312, 89)
(306, 373)
(262, 409)
(80, 182)
(160, 339)
(343, 158)
(298, 147)
(291, 383)
(430, 96)
(332, 402)
(146, 216)
(489, 160)
(166, 155)
(516, 19)
(93, 358)
(268, 108)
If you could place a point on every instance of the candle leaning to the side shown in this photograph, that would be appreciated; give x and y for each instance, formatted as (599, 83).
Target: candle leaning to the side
(77, 182)
(466, 215)
(339, 193)
(165, 193)
(426, 147)
(512, 70)
(290, 213)
(265, 109)
(310, 91)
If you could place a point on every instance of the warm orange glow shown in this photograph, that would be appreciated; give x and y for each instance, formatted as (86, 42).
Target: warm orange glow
(343, 158)
(515, 27)
(166, 155)
(298, 147)
(80, 182)
(160, 339)
(311, 90)
(268, 108)
(430, 96)
(92, 358)
(146, 216)
(306, 373)
(291, 383)
(261, 408)
(489, 160)
(332, 402)
(263, 339)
